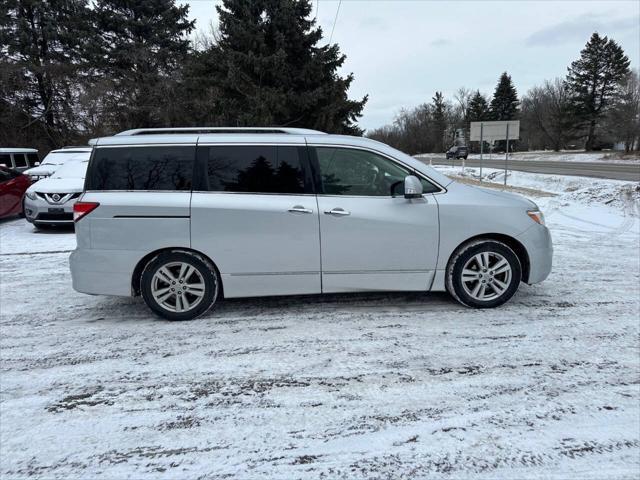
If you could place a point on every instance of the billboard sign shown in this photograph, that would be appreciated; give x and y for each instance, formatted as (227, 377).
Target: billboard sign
(492, 131)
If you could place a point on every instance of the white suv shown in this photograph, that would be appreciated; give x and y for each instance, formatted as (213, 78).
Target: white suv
(55, 159)
(184, 217)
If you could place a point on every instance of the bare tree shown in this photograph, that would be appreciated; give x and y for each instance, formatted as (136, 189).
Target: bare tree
(463, 97)
(624, 118)
(546, 115)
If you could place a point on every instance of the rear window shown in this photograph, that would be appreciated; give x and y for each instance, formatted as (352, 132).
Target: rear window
(141, 168)
(257, 169)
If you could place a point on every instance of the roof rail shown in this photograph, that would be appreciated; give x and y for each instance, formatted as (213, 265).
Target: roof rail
(221, 130)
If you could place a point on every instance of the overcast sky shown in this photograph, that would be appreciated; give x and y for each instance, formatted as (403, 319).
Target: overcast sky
(402, 51)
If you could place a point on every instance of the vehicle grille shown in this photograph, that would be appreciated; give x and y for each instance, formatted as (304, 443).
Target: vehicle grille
(62, 197)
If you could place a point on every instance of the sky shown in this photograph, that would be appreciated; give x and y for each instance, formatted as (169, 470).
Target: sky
(402, 51)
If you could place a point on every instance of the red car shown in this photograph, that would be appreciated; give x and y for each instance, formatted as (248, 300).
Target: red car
(13, 184)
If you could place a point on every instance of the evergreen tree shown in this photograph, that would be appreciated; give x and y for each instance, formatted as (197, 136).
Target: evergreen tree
(504, 104)
(41, 58)
(140, 47)
(478, 110)
(267, 69)
(594, 80)
(439, 116)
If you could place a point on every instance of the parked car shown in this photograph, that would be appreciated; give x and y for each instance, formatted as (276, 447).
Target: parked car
(458, 152)
(13, 185)
(185, 217)
(49, 202)
(19, 159)
(57, 158)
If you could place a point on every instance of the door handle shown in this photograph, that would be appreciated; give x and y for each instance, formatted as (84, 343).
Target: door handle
(300, 209)
(337, 211)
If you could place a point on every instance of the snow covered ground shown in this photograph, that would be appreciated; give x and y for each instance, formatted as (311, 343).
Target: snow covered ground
(563, 156)
(343, 386)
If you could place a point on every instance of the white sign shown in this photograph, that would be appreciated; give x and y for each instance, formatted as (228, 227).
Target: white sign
(492, 131)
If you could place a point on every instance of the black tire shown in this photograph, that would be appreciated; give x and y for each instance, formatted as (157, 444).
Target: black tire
(464, 254)
(212, 284)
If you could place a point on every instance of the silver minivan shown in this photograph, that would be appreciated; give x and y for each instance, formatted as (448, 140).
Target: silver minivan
(185, 217)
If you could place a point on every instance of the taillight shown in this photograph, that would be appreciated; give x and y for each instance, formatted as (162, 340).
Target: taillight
(80, 209)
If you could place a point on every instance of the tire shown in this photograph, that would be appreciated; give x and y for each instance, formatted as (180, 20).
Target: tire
(486, 288)
(163, 273)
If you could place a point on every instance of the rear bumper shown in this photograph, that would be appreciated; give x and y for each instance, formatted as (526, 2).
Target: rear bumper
(539, 246)
(103, 272)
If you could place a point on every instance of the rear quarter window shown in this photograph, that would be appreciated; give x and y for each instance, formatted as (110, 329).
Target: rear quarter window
(141, 168)
(33, 159)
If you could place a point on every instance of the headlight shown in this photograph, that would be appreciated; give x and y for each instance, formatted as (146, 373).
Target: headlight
(32, 195)
(536, 215)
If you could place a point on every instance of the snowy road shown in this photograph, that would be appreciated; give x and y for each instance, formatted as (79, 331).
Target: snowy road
(611, 170)
(344, 386)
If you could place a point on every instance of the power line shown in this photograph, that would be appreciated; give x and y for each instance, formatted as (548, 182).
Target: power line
(334, 21)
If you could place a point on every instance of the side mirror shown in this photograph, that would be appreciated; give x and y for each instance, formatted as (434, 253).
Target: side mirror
(37, 164)
(412, 187)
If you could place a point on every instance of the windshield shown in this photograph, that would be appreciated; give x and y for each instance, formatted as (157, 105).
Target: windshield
(72, 169)
(60, 157)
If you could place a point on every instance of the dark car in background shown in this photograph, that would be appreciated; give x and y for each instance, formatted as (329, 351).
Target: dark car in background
(458, 152)
(13, 184)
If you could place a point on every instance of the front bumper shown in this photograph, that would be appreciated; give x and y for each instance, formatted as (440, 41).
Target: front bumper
(537, 241)
(41, 212)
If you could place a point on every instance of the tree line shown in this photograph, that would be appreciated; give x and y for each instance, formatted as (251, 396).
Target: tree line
(75, 69)
(595, 105)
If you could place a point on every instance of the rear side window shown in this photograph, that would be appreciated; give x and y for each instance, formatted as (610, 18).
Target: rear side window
(5, 159)
(20, 160)
(258, 169)
(141, 168)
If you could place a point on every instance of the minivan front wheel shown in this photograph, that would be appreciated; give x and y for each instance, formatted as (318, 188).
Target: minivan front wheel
(484, 274)
(179, 285)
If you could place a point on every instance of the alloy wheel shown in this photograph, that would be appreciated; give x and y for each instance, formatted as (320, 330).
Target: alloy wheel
(178, 287)
(486, 276)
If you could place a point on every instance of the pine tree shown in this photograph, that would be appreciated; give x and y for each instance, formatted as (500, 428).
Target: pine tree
(594, 80)
(478, 110)
(140, 46)
(41, 51)
(267, 69)
(439, 115)
(504, 105)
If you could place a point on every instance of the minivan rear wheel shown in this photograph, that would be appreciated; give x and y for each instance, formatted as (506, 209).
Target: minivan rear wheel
(484, 274)
(179, 285)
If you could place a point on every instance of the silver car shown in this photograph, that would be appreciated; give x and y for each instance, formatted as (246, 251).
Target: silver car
(49, 202)
(185, 217)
